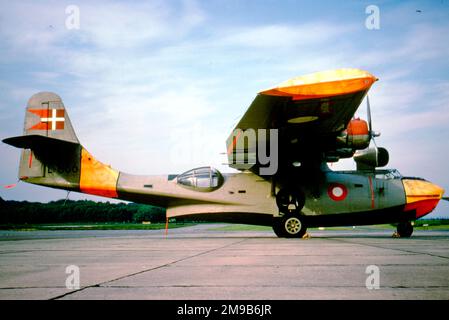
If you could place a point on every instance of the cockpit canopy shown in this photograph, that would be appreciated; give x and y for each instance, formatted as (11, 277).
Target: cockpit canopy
(201, 179)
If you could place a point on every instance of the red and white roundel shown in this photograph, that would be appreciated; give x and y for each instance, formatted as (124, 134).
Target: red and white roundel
(337, 191)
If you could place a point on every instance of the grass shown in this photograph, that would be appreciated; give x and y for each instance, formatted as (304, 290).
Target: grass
(93, 226)
(432, 223)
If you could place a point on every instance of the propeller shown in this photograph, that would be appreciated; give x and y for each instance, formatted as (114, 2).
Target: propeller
(445, 198)
(372, 133)
(370, 157)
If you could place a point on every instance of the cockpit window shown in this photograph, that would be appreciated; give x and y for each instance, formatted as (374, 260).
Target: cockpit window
(203, 179)
(388, 174)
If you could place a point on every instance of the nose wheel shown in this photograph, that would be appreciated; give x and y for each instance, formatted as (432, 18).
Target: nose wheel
(405, 229)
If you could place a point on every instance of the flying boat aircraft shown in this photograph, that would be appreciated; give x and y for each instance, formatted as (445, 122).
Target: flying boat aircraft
(281, 148)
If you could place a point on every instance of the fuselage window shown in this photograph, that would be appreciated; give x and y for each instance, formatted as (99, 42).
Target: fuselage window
(205, 179)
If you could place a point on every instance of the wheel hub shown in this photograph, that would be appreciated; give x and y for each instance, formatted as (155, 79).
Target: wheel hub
(292, 225)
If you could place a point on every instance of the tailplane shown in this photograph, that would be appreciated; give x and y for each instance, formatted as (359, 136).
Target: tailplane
(52, 155)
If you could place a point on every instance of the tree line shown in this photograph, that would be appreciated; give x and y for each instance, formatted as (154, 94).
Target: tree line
(61, 211)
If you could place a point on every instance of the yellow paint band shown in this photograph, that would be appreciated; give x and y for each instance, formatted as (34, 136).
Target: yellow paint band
(419, 190)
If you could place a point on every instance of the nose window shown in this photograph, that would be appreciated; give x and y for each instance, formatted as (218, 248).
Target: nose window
(203, 179)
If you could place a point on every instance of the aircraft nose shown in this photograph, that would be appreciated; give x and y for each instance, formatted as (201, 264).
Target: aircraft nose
(421, 196)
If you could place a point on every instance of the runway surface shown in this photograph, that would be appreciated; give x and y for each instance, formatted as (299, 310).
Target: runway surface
(201, 263)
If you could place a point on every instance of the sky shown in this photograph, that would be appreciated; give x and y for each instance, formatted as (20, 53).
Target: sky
(155, 87)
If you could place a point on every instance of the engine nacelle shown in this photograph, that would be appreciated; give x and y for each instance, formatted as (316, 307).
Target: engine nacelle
(356, 135)
(371, 158)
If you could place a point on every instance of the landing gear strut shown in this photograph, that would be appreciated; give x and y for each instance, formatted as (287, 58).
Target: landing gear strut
(291, 223)
(405, 229)
(289, 202)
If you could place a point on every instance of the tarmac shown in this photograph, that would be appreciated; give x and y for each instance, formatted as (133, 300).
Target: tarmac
(204, 263)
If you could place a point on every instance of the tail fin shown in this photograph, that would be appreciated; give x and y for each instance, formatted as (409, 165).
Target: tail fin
(46, 116)
(52, 154)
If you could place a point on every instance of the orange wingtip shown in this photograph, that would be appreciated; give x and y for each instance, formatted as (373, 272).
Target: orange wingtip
(324, 84)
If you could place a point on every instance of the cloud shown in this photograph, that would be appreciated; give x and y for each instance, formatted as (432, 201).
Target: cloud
(118, 25)
(410, 106)
(282, 36)
(424, 42)
(29, 25)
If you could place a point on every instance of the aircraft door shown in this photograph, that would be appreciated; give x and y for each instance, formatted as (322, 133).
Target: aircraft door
(380, 187)
(387, 189)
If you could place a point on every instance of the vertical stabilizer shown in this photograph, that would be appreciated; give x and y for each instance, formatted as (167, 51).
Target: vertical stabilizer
(52, 155)
(51, 151)
(45, 115)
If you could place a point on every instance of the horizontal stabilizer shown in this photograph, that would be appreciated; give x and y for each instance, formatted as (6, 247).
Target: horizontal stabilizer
(41, 152)
(36, 142)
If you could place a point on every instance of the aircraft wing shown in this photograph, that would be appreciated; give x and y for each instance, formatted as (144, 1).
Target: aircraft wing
(309, 113)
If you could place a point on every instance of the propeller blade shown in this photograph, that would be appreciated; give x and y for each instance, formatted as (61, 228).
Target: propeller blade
(445, 198)
(370, 126)
(368, 112)
(372, 133)
(376, 148)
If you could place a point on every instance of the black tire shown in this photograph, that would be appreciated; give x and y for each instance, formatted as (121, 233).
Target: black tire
(277, 227)
(289, 226)
(405, 229)
(290, 202)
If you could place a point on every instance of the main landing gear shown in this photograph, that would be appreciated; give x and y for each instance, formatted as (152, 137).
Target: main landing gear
(291, 223)
(404, 229)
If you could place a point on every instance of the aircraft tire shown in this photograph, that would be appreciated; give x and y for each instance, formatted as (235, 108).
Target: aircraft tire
(277, 227)
(405, 229)
(289, 226)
